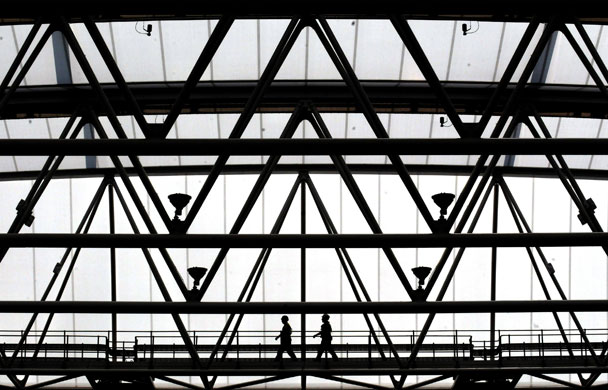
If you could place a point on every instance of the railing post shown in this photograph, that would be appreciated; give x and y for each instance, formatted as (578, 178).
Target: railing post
(471, 348)
(238, 355)
(135, 348)
(369, 349)
(499, 347)
(542, 342)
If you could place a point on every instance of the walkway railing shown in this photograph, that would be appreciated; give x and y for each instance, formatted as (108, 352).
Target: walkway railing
(459, 345)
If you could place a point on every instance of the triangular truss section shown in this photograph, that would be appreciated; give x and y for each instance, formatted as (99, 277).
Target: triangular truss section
(303, 182)
(496, 185)
(72, 42)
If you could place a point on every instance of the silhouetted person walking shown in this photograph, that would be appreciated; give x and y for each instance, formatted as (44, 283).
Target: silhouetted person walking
(285, 336)
(325, 334)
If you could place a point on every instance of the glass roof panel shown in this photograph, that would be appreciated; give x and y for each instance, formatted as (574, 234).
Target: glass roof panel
(183, 42)
(139, 56)
(474, 56)
(378, 52)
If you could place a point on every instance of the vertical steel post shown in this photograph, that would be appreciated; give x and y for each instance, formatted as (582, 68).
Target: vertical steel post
(493, 270)
(303, 277)
(112, 268)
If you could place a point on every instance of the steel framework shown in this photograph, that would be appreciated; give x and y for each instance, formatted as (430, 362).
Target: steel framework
(513, 100)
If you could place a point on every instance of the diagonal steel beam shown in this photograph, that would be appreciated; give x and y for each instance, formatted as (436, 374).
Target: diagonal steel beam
(488, 172)
(348, 267)
(140, 206)
(347, 176)
(512, 102)
(333, 49)
(278, 57)
(26, 66)
(591, 47)
(426, 382)
(111, 114)
(258, 187)
(353, 382)
(84, 223)
(163, 289)
(254, 276)
(539, 76)
(49, 168)
(51, 382)
(558, 381)
(255, 382)
(179, 383)
(409, 40)
(108, 59)
(203, 61)
(444, 287)
(568, 180)
(549, 268)
(20, 55)
(503, 185)
(85, 228)
(586, 63)
(509, 108)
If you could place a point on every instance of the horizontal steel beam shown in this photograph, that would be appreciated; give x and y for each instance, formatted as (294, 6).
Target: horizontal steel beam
(477, 240)
(117, 10)
(364, 169)
(282, 96)
(311, 147)
(303, 307)
(544, 368)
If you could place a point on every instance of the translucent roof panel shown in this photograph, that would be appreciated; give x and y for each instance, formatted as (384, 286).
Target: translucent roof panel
(271, 126)
(373, 48)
